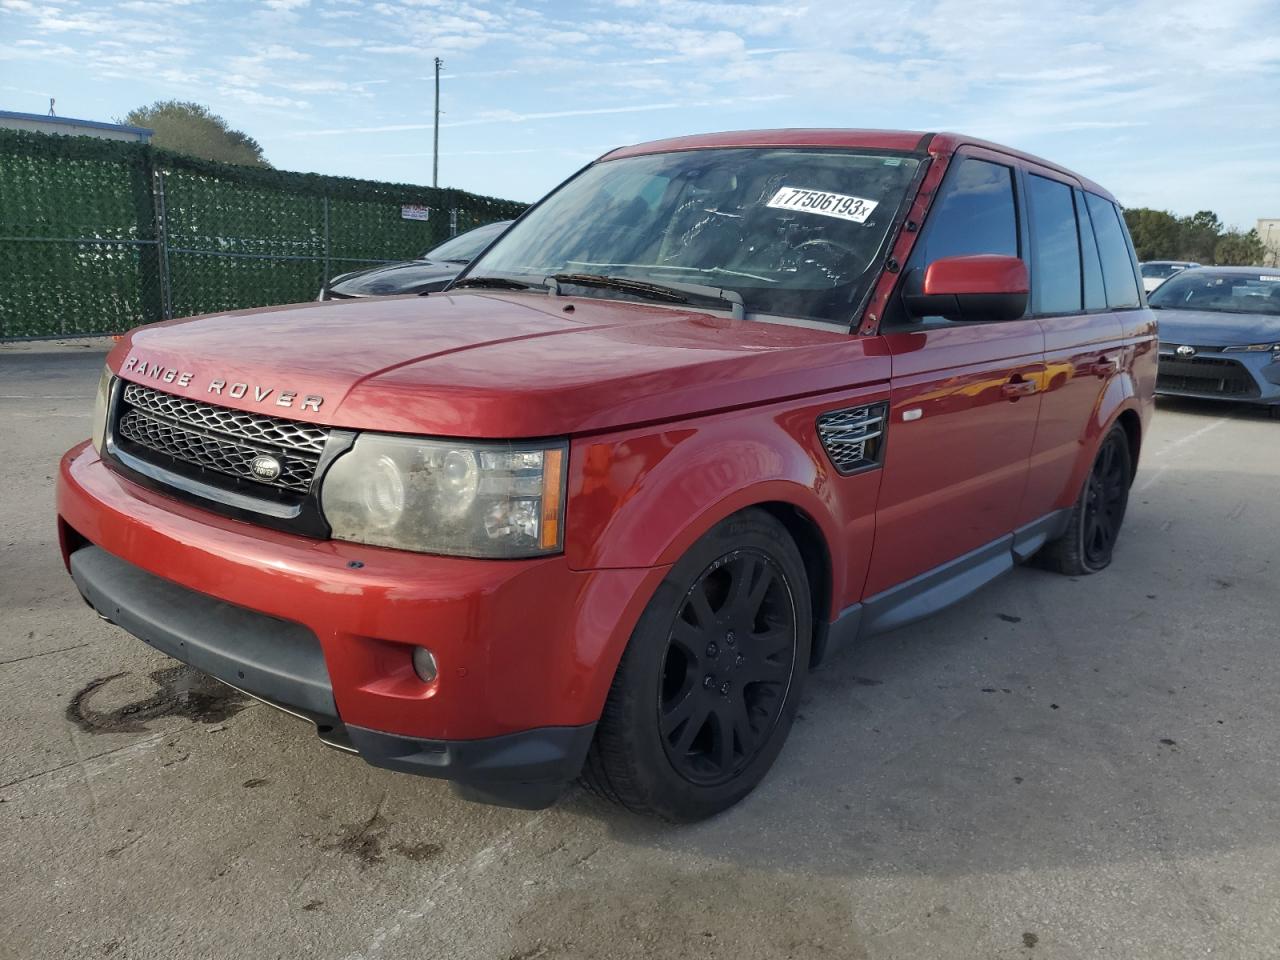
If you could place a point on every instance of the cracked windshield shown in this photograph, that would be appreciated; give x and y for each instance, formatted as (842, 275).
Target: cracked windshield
(794, 233)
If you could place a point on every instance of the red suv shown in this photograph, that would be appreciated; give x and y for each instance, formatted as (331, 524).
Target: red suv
(714, 408)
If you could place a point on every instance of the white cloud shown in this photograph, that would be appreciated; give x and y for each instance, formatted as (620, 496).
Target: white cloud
(255, 98)
(1093, 84)
(511, 116)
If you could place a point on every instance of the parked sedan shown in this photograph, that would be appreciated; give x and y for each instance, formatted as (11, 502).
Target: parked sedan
(1156, 272)
(1220, 334)
(430, 272)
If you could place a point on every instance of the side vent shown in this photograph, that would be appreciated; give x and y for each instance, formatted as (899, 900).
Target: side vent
(854, 437)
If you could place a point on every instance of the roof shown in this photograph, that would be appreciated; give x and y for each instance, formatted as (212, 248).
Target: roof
(73, 122)
(907, 141)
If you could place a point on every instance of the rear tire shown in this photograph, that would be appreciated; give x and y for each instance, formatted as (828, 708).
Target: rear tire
(709, 684)
(1087, 545)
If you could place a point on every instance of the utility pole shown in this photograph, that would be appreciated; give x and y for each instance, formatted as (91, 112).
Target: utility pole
(435, 149)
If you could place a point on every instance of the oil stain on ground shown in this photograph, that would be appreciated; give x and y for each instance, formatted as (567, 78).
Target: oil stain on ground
(181, 691)
(365, 841)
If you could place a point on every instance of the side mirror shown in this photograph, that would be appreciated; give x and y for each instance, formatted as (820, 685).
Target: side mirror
(981, 287)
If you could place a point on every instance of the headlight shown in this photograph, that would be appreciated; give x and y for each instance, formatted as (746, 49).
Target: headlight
(100, 408)
(441, 496)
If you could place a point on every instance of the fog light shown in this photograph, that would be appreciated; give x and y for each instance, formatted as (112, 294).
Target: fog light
(424, 664)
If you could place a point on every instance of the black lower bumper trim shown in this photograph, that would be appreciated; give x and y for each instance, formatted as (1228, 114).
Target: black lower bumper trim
(282, 664)
(528, 769)
(277, 660)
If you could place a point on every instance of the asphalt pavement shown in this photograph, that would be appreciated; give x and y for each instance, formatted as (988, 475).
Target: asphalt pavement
(1056, 768)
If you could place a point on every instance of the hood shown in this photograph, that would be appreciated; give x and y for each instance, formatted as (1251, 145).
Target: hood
(394, 278)
(1216, 328)
(497, 365)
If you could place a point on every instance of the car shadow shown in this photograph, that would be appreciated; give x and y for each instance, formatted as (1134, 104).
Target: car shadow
(1045, 721)
(1216, 408)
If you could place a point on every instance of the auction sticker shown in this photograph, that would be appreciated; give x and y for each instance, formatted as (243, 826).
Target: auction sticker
(837, 205)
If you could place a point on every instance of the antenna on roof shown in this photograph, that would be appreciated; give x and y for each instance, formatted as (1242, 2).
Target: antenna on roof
(51, 113)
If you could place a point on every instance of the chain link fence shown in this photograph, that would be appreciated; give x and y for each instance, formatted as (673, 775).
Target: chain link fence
(97, 236)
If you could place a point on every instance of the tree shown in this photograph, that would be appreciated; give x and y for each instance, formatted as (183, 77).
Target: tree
(1156, 233)
(1200, 233)
(188, 127)
(1159, 235)
(1239, 249)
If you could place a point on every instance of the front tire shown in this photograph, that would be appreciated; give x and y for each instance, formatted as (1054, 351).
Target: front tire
(709, 684)
(1087, 545)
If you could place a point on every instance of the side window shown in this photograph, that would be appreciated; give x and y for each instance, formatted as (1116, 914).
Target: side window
(974, 214)
(1055, 247)
(1095, 295)
(1117, 266)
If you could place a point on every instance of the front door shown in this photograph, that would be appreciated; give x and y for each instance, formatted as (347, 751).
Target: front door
(965, 396)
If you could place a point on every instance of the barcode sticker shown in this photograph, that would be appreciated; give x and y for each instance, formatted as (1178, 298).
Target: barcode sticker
(824, 203)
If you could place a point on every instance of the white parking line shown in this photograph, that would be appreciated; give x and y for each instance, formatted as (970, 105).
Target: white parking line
(1193, 435)
(1154, 476)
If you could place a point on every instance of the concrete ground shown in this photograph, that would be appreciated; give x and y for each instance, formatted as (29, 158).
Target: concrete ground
(1056, 768)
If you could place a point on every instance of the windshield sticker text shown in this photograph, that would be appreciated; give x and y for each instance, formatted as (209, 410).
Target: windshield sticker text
(821, 202)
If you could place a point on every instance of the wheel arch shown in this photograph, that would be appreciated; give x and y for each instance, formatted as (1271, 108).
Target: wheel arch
(816, 553)
(1132, 424)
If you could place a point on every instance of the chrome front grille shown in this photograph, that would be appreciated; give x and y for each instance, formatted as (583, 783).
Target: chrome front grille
(199, 437)
(854, 437)
(254, 427)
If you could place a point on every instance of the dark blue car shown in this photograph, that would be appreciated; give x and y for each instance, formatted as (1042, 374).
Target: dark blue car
(1220, 334)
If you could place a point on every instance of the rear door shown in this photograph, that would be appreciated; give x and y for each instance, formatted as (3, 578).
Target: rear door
(1084, 339)
(964, 395)
(1087, 343)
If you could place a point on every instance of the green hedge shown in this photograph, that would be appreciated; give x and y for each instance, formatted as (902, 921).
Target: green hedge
(88, 229)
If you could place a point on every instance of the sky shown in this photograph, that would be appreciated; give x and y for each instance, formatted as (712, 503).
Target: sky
(1168, 104)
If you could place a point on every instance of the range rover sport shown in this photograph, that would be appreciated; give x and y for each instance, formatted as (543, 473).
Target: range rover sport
(713, 409)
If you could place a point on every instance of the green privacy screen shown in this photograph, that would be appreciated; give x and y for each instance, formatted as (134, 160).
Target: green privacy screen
(97, 236)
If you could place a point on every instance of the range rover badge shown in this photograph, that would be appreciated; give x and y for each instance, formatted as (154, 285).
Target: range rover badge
(265, 467)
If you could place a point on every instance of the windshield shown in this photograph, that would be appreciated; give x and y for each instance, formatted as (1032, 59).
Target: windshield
(795, 233)
(1158, 271)
(464, 247)
(1220, 292)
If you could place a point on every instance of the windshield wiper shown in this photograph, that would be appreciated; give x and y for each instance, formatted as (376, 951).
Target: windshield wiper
(669, 292)
(493, 283)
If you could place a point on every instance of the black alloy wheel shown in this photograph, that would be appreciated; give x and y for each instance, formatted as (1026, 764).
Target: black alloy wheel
(1094, 525)
(1105, 498)
(730, 656)
(709, 684)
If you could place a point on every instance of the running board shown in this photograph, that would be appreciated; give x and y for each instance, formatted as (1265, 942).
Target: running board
(936, 589)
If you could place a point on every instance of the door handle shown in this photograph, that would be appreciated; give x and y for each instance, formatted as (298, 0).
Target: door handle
(1016, 389)
(1104, 367)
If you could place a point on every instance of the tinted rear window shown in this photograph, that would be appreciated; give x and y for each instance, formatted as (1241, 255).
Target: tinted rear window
(1117, 265)
(1055, 247)
(1095, 294)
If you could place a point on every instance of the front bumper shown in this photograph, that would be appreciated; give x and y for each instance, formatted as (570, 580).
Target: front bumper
(526, 649)
(1211, 374)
